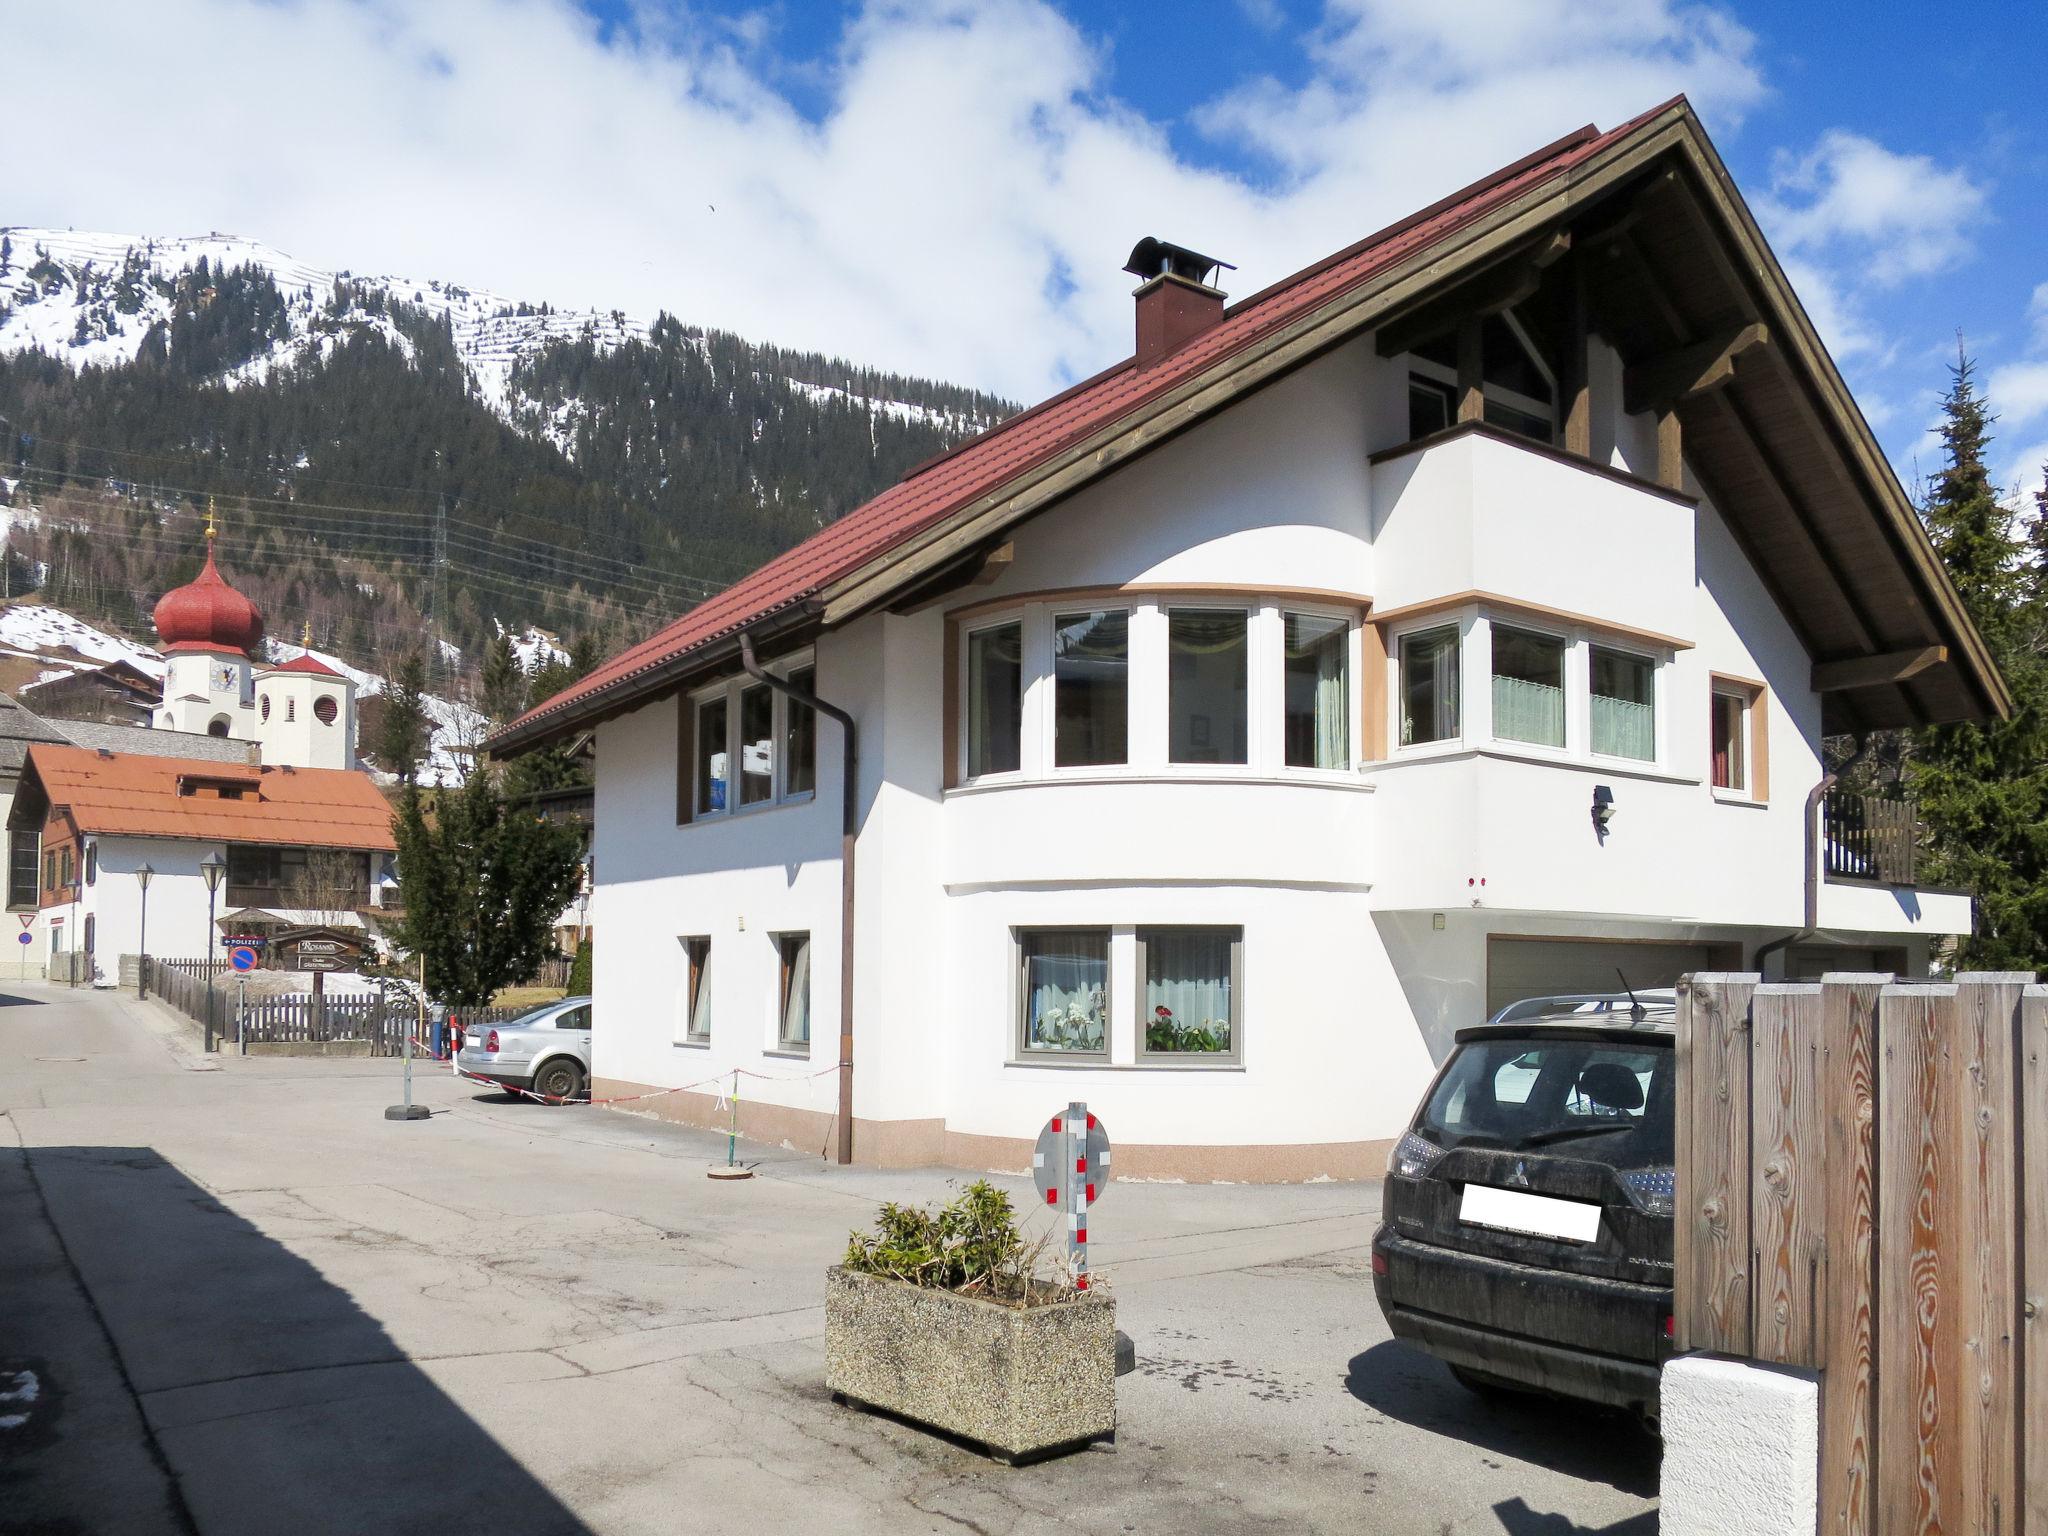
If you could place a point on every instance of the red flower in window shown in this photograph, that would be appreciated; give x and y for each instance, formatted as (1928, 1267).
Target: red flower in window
(1163, 1011)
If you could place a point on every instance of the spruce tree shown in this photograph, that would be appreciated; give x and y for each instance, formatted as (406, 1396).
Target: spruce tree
(1982, 787)
(484, 881)
(406, 730)
(502, 682)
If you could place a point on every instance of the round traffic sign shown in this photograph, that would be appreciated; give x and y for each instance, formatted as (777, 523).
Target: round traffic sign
(1048, 1162)
(242, 958)
(24, 938)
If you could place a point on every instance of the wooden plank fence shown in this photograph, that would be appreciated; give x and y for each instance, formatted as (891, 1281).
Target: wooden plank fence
(1863, 1192)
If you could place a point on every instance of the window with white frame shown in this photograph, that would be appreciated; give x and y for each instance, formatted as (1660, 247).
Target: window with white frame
(1429, 663)
(696, 995)
(1316, 672)
(1091, 666)
(735, 730)
(995, 698)
(793, 992)
(1208, 689)
(1622, 717)
(1528, 686)
(1187, 1008)
(1063, 991)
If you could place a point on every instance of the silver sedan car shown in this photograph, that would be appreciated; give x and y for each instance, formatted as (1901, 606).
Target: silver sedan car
(546, 1051)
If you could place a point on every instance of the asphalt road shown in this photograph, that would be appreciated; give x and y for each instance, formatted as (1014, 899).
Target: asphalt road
(246, 1302)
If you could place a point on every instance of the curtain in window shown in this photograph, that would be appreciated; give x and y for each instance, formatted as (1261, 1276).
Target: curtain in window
(796, 1002)
(700, 1001)
(995, 694)
(1429, 687)
(1525, 711)
(1066, 987)
(1622, 728)
(1318, 692)
(1187, 991)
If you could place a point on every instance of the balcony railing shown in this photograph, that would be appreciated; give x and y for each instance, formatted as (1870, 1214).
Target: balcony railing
(1866, 837)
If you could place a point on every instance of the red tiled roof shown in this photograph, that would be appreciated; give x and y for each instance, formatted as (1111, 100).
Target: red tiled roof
(935, 490)
(307, 663)
(122, 794)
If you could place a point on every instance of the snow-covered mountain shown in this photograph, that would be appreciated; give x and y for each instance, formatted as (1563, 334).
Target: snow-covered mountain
(92, 298)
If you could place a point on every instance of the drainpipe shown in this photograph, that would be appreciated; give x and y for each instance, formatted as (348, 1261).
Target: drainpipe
(849, 818)
(1814, 797)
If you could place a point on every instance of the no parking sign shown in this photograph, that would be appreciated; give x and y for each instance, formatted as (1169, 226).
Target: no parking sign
(242, 958)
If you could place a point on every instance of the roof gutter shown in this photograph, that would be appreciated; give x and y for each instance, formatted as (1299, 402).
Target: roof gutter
(849, 825)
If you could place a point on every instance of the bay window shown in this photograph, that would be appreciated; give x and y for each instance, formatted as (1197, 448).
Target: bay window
(1091, 660)
(1624, 704)
(995, 699)
(1188, 1006)
(1316, 666)
(1063, 991)
(1208, 688)
(1429, 686)
(1528, 686)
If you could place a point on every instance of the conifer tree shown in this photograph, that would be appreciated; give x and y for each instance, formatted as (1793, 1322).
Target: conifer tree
(403, 739)
(484, 879)
(1983, 787)
(502, 682)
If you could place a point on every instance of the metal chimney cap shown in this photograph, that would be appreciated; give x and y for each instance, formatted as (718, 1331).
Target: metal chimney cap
(1153, 257)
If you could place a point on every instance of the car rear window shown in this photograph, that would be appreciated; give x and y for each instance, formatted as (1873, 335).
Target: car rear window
(1610, 1101)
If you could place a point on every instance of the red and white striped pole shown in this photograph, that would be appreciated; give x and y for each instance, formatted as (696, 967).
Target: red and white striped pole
(1080, 1188)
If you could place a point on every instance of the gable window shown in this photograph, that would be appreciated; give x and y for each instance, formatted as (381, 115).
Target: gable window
(1316, 670)
(1624, 704)
(757, 744)
(1063, 991)
(22, 848)
(1208, 685)
(800, 737)
(995, 699)
(696, 998)
(793, 1032)
(1528, 686)
(1431, 405)
(712, 757)
(1091, 661)
(1188, 1006)
(1429, 686)
(1731, 739)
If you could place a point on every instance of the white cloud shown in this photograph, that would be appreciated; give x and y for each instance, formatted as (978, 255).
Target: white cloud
(1897, 216)
(960, 206)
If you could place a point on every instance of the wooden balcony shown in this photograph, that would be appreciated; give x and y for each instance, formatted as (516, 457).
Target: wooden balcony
(1869, 837)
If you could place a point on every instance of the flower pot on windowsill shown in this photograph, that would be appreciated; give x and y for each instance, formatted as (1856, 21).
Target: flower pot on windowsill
(1022, 1381)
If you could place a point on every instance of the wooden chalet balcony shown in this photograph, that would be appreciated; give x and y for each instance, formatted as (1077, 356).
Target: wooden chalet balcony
(1869, 837)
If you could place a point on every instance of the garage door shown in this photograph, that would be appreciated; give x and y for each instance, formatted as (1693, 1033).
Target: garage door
(1519, 968)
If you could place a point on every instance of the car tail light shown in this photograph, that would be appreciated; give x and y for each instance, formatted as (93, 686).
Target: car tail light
(1653, 1191)
(1670, 1326)
(1379, 1263)
(1413, 1157)
(491, 1041)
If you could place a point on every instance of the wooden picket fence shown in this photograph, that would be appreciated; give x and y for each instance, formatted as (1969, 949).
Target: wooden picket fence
(294, 1017)
(1863, 1192)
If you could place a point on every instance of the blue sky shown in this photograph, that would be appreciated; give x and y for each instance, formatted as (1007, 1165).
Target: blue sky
(948, 186)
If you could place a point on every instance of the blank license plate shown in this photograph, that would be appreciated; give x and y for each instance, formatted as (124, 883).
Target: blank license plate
(1574, 1221)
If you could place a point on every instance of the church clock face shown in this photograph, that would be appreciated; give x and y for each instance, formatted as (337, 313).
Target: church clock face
(227, 677)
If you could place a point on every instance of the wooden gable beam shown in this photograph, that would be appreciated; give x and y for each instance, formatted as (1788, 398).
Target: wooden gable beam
(1499, 287)
(1875, 671)
(1664, 382)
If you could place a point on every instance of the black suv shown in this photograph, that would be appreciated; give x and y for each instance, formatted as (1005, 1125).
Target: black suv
(1527, 1225)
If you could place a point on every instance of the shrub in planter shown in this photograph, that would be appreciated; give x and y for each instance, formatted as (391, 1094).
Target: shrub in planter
(945, 1317)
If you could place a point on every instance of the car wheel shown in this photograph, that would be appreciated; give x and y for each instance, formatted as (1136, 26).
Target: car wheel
(559, 1080)
(1481, 1383)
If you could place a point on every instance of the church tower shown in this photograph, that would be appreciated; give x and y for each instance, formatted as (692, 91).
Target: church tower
(209, 632)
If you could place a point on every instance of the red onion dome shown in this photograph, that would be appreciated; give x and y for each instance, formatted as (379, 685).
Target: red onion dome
(208, 615)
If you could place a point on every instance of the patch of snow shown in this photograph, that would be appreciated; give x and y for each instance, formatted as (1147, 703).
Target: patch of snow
(47, 632)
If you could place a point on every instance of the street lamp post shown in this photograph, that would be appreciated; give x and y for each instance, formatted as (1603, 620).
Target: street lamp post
(142, 878)
(213, 866)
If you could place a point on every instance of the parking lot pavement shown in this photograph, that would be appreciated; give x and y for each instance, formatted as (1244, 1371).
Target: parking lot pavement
(512, 1318)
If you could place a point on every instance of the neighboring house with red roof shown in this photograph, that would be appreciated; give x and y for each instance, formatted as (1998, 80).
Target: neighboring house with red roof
(1457, 619)
(291, 841)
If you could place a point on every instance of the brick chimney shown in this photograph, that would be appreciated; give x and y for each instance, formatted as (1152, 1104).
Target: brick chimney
(1176, 301)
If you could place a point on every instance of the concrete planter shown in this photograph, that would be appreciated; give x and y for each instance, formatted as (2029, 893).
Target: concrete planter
(1020, 1380)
